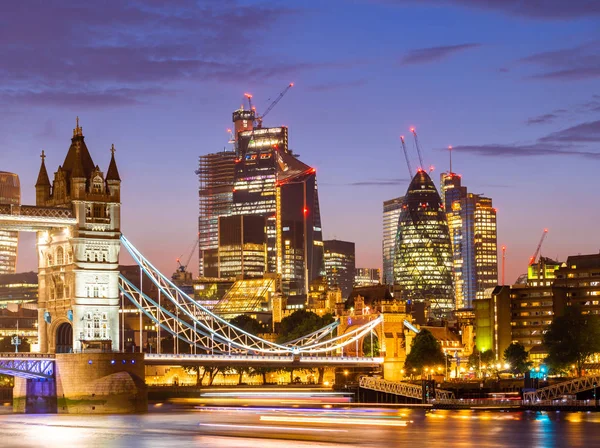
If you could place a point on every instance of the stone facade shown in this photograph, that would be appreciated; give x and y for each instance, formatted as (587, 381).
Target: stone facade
(78, 266)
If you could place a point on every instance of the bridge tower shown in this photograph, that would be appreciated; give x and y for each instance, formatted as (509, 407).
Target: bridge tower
(78, 305)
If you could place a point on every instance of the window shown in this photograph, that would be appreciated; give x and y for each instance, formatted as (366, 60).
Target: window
(96, 325)
(97, 185)
(60, 256)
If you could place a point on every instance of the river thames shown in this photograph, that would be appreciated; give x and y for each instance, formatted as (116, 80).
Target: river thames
(303, 427)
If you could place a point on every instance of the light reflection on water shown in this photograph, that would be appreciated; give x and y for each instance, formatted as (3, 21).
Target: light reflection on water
(273, 427)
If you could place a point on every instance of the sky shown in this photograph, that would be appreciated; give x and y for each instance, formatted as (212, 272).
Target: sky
(513, 86)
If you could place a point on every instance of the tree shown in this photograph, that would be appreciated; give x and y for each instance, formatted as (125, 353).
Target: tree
(479, 359)
(572, 338)
(426, 351)
(300, 323)
(516, 356)
(248, 324)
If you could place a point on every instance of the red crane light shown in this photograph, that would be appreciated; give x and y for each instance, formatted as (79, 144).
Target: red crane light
(305, 211)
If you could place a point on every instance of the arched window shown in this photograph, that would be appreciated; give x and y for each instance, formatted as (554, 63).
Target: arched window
(70, 257)
(49, 260)
(96, 291)
(96, 326)
(60, 256)
(97, 185)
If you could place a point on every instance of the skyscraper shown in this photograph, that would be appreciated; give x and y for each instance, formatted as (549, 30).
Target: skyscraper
(423, 264)
(271, 181)
(391, 214)
(472, 226)
(340, 265)
(10, 194)
(215, 174)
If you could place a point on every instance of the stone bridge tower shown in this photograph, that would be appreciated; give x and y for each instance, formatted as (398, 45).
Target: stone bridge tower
(395, 334)
(78, 305)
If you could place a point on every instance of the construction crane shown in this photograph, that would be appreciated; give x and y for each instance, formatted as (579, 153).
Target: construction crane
(410, 171)
(259, 118)
(539, 247)
(182, 267)
(414, 132)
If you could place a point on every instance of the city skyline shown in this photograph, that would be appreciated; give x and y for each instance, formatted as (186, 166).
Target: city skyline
(520, 110)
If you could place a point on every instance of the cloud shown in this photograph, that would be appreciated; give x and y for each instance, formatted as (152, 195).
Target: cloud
(76, 52)
(585, 132)
(566, 142)
(542, 119)
(568, 64)
(533, 9)
(432, 54)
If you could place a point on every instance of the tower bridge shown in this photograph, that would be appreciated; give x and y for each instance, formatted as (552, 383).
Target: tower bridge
(81, 360)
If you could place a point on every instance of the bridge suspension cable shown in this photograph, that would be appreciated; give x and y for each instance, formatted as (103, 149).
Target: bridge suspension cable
(196, 325)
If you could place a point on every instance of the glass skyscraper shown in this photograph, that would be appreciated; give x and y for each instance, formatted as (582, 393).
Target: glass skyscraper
(391, 214)
(10, 194)
(340, 265)
(423, 259)
(215, 174)
(472, 225)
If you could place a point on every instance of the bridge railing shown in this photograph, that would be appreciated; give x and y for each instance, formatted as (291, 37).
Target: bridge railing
(565, 388)
(28, 355)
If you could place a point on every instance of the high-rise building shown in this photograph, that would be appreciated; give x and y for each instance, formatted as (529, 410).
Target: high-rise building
(272, 182)
(215, 174)
(423, 263)
(472, 225)
(340, 265)
(10, 194)
(367, 277)
(242, 246)
(391, 214)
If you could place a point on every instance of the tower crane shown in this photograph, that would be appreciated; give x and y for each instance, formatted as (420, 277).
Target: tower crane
(410, 171)
(183, 267)
(539, 247)
(259, 118)
(414, 132)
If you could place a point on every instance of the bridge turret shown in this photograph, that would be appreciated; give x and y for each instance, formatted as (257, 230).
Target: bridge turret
(113, 180)
(42, 186)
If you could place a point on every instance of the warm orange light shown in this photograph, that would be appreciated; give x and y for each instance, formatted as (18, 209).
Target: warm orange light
(247, 95)
(545, 230)
(412, 129)
(291, 84)
(228, 130)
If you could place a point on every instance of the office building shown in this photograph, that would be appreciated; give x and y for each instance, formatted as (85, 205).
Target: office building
(423, 260)
(472, 227)
(391, 215)
(270, 181)
(10, 194)
(215, 174)
(18, 288)
(242, 246)
(367, 277)
(340, 265)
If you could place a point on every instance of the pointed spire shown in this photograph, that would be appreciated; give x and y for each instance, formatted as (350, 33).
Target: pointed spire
(78, 165)
(113, 172)
(43, 180)
(78, 131)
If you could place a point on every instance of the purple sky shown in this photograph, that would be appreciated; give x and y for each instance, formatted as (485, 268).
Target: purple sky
(514, 86)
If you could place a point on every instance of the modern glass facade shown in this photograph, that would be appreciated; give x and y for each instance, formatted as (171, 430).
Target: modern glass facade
(242, 246)
(215, 174)
(367, 277)
(472, 225)
(247, 296)
(10, 194)
(271, 182)
(340, 265)
(391, 214)
(423, 264)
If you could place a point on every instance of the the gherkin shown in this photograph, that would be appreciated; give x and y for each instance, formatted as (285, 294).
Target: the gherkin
(423, 264)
